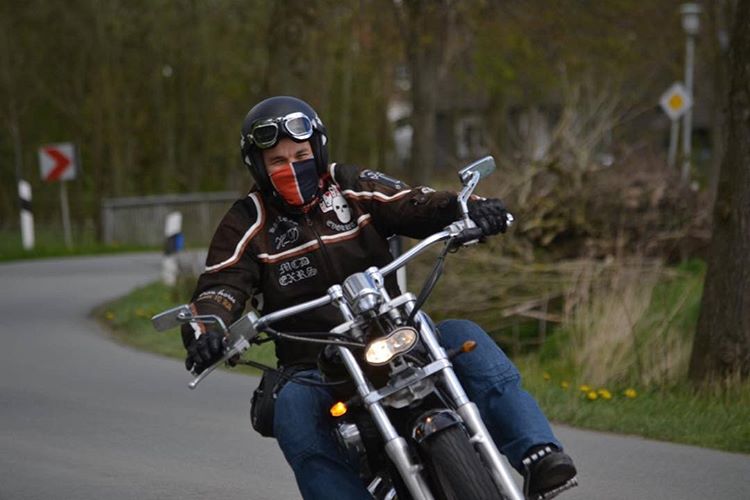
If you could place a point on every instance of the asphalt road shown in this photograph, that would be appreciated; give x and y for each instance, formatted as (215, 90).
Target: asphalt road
(82, 417)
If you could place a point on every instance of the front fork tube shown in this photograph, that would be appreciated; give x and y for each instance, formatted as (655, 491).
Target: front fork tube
(395, 445)
(480, 436)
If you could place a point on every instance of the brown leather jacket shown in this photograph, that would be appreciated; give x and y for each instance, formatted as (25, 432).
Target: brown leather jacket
(279, 259)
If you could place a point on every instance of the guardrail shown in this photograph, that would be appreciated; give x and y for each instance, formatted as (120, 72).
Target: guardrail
(140, 220)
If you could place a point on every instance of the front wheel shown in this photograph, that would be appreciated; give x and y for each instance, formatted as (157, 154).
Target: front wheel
(456, 470)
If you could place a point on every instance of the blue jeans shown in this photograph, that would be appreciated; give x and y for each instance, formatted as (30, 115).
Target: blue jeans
(303, 425)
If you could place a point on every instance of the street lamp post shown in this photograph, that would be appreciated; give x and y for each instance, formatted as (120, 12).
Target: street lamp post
(691, 24)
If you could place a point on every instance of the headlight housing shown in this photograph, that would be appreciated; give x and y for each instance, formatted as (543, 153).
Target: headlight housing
(383, 350)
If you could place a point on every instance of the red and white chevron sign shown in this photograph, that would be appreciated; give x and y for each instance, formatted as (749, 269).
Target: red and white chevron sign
(57, 162)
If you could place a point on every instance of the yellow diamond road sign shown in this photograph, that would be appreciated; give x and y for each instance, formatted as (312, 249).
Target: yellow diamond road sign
(675, 101)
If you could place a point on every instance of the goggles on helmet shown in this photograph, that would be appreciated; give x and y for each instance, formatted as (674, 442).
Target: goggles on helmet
(265, 133)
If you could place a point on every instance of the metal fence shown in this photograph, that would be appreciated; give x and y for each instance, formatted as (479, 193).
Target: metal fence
(140, 220)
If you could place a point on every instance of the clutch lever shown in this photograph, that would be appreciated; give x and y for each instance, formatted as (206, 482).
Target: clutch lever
(239, 336)
(240, 345)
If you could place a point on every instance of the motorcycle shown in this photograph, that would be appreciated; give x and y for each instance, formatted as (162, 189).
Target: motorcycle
(403, 414)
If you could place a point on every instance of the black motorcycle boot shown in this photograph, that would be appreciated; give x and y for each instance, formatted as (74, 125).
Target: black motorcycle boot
(548, 471)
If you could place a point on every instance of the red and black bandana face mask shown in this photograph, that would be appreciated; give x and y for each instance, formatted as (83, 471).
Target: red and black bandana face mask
(297, 182)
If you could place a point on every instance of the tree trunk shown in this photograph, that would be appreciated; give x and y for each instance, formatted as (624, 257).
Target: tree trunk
(424, 114)
(9, 91)
(722, 340)
(424, 33)
(288, 67)
(719, 14)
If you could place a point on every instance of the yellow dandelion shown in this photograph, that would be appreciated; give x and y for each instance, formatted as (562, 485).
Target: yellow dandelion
(584, 388)
(604, 394)
(546, 376)
(565, 384)
(140, 313)
(109, 315)
(630, 393)
(592, 396)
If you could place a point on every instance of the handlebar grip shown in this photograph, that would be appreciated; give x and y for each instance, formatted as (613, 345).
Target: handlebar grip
(469, 234)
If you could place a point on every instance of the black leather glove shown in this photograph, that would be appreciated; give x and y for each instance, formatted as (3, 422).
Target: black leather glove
(490, 215)
(204, 351)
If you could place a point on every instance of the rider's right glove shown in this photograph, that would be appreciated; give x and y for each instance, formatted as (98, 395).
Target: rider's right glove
(204, 351)
(490, 215)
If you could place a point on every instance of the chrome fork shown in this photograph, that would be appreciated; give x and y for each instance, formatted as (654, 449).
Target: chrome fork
(395, 445)
(480, 436)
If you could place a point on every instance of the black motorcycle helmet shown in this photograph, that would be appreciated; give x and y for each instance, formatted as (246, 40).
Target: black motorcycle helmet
(271, 120)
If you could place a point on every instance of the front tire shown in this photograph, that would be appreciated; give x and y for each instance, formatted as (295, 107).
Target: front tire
(456, 470)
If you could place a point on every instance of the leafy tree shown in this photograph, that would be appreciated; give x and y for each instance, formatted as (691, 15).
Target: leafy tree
(154, 91)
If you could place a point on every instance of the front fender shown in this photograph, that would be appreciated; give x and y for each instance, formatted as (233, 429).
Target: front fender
(432, 422)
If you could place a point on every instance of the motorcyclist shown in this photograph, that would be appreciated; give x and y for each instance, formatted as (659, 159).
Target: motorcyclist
(307, 225)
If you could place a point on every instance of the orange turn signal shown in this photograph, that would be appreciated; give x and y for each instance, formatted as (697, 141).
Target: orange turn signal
(468, 346)
(338, 409)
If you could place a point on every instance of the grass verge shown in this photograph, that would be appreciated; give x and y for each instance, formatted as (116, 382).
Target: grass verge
(712, 418)
(129, 321)
(52, 244)
(620, 362)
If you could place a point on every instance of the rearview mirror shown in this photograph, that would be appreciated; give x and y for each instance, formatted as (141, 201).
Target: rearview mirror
(470, 176)
(483, 167)
(171, 318)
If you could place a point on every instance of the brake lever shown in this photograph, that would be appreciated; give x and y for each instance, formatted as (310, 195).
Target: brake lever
(240, 345)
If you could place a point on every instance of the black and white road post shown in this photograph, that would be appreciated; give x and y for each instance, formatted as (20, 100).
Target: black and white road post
(174, 243)
(27, 215)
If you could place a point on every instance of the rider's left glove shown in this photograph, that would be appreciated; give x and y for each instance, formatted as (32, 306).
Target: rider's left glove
(490, 215)
(204, 351)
